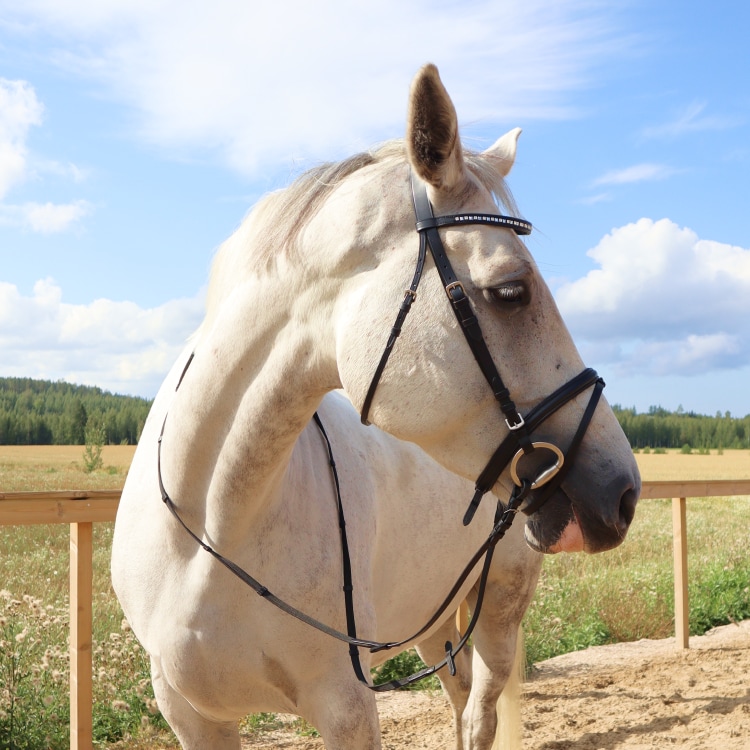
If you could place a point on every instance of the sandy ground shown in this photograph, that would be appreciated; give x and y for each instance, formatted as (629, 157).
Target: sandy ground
(644, 695)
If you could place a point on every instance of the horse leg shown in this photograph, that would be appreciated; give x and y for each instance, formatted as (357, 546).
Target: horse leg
(192, 730)
(346, 716)
(457, 687)
(495, 639)
(490, 676)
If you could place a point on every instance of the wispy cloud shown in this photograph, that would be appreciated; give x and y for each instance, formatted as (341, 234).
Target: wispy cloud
(592, 200)
(238, 78)
(636, 173)
(737, 155)
(691, 120)
(64, 170)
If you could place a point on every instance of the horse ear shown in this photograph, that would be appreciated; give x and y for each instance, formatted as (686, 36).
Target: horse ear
(502, 155)
(432, 141)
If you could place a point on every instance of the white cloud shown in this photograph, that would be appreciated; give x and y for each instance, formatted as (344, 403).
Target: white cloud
(49, 218)
(44, 218)
(636, 173)
(662, 301)
(118, 346)
(19, 110)
(264, 82)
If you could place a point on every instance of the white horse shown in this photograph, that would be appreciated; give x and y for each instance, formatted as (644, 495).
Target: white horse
(301, 300)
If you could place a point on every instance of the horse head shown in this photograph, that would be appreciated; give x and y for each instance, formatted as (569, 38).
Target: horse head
(432, 391)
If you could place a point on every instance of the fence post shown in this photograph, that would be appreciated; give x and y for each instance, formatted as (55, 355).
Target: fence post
(681, 608)
(81, 585)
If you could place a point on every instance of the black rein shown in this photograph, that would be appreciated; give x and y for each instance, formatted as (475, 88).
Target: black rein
(503, 519)
(517, 443)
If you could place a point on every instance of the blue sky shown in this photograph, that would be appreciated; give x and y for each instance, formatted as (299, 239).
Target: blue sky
(135, 135)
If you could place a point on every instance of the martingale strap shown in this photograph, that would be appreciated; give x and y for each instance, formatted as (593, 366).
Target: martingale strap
(504, 516)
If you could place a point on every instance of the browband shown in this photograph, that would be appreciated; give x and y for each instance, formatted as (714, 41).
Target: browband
(519, 226)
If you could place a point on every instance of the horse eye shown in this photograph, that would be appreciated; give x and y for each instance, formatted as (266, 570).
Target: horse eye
(512, 293)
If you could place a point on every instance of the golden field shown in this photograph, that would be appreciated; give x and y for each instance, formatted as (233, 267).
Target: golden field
(60, 467)
(26, 468)
(673, 465)
(63, 455)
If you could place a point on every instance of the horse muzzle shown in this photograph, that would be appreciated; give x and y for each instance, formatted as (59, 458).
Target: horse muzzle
(582, 516)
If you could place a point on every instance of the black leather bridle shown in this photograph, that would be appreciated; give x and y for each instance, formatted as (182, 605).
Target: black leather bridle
(511, 450)
(518, 442)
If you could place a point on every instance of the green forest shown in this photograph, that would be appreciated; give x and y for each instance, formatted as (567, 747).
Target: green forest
(659, 428)
(41, 412)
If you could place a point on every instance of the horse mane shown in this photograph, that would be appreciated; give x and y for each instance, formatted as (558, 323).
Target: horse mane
(272, 228)
(286, 212)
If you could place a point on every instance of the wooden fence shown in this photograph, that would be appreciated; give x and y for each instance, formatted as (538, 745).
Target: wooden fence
(82, 509)
(679, 492)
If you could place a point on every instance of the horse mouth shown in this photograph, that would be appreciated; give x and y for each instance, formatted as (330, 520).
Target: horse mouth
(561, 525)
(554, 526)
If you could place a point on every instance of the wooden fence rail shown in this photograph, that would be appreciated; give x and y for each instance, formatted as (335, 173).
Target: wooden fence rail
(81, 509)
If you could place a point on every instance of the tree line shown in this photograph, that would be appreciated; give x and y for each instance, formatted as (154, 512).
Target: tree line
(659, 428)
(42, 412)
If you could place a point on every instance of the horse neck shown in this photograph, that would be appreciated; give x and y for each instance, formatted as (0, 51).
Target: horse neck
(257, 376)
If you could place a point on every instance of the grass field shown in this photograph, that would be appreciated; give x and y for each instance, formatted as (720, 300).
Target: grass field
(34, 706)
(627, 593)
(60, 467)
(581, 600)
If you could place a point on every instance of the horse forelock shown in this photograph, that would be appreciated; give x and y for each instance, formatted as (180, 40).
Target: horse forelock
(492, 181)
(274, 226)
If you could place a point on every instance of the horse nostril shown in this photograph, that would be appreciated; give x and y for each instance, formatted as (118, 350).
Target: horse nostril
(628, 502)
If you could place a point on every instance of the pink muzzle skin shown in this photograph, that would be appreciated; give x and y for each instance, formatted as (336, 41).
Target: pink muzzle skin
(571, 539)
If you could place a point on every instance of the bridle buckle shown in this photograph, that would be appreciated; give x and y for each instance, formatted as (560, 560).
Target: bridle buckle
(453, 286)
(516, 425)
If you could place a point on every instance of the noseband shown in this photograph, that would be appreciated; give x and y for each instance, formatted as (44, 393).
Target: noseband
(518, 441)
